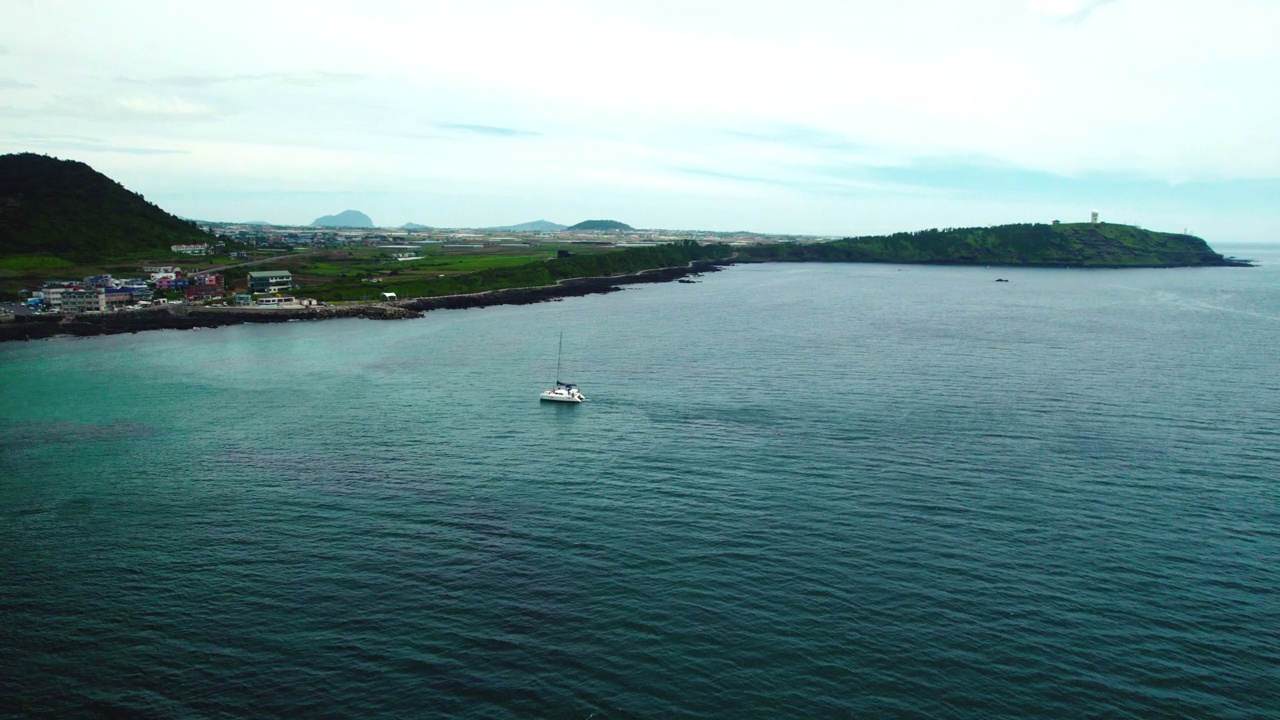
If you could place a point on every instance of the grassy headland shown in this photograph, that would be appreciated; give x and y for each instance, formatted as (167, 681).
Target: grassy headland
(1066, 245)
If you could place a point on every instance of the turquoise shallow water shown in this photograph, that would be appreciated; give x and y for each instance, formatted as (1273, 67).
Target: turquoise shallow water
(807, 491)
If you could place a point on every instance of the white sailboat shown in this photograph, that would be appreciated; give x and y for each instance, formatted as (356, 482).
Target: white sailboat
(563, 391)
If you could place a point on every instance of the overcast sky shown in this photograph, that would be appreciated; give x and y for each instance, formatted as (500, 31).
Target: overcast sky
(827, 117)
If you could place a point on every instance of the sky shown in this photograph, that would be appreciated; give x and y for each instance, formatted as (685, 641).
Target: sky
(814, 117)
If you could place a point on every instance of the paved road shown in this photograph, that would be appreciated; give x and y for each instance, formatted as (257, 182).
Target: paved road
(17, 308)
(255, 262)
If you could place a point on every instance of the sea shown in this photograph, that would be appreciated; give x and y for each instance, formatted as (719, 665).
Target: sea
(795, 490)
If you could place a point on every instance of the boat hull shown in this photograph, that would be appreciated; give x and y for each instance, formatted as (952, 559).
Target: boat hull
(550, 396)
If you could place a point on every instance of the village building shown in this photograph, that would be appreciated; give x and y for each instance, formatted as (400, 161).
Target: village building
(276, 301)
(78, 300)
(269, 281)
(52, 293)
(117, 298)
(205, 286)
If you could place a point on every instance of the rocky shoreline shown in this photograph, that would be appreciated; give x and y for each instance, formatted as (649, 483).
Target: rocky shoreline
(184, 317)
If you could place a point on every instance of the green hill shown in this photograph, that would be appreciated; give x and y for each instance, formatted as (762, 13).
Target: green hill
(600, 225)
(68, 210)
(1073, 245)
(535, 226)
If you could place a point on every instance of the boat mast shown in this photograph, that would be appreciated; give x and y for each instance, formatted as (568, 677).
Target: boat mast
(558, 353)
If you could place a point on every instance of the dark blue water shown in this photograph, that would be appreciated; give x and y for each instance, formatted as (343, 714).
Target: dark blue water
(803, 491)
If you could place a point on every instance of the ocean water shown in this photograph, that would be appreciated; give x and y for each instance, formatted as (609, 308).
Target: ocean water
(796, 491)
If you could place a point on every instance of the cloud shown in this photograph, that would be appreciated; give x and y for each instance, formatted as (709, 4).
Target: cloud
(1067, 10)
(122, 149)
(797, 136)
(163, 107)
(488, 130)
(841, 180)
(765, 116)
(302, 78)
(142, 107)
(735, 177)
(8, 84)
(58, 143)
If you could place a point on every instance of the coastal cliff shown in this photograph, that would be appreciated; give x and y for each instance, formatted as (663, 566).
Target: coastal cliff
(184, 317)
(181, 318)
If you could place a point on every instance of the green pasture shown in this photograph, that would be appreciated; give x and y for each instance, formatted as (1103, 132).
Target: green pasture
(493, 271)
(32, 265)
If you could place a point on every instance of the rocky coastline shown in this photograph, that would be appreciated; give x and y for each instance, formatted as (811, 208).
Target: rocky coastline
(190, 317)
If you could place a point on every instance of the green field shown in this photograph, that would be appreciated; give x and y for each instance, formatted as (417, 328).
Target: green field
(345, 273)
(434, 262)
(456, 273)
(18, 272)
(32, 264)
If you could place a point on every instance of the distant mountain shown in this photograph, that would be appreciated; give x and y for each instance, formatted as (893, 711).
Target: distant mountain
(535, 226)
(346, 218)
(415, 226)
(69, 210)
(600, 225)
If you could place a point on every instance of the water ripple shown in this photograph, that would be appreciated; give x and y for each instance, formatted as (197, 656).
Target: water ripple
(796, 491)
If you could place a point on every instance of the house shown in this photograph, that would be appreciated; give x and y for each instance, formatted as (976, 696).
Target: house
(205, 286)
(171, 283)
(52, 292)
(270, 281)
(388, 296)
(198, 249)
(200, 293)
(207, 278)
(101, 281)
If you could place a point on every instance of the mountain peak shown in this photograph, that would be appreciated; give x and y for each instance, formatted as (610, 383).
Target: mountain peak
(346, 218)
(535, 226)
